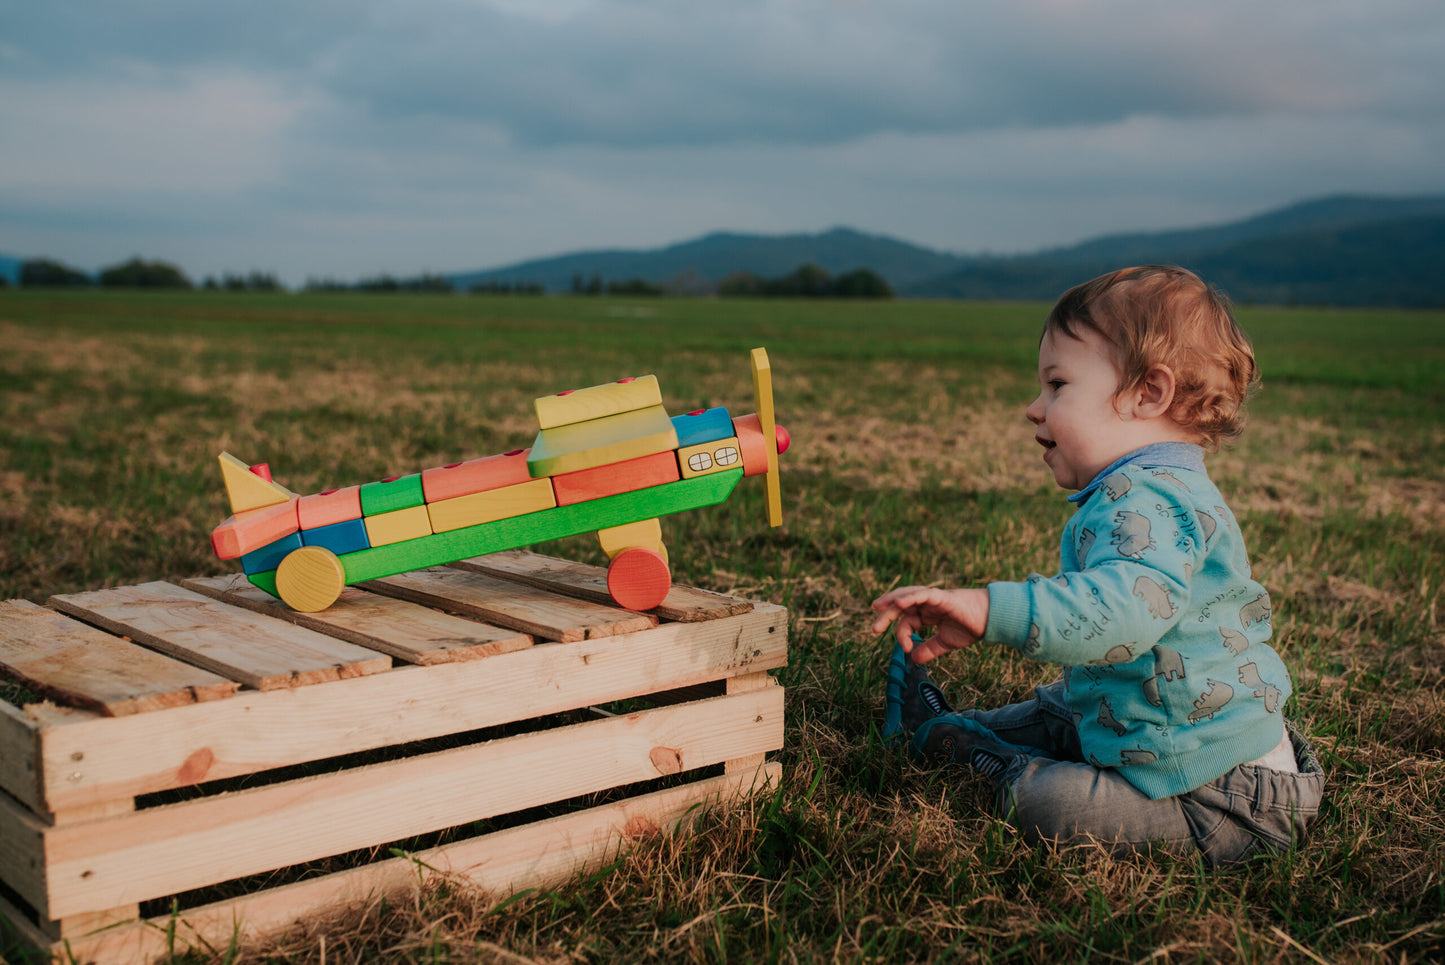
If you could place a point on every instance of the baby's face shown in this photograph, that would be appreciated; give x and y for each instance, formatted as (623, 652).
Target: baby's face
(1079, 421)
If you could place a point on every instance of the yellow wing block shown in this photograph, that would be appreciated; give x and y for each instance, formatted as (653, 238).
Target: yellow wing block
(597, 402)
(597, 442)
(474, 509)
(248, 491)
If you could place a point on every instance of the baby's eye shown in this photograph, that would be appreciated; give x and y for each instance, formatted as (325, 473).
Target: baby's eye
(1056, 384)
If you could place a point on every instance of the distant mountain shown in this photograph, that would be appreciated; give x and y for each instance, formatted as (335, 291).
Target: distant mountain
(1344, 250)
(702, 263)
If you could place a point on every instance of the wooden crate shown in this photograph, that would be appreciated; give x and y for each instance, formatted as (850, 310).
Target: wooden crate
(203, 733)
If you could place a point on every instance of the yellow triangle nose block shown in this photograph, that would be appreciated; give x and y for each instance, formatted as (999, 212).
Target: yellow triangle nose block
(248, 490)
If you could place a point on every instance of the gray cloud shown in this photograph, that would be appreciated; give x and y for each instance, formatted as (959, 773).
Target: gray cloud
(356, 136)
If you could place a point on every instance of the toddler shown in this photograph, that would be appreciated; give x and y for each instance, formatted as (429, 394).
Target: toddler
(1167, 725)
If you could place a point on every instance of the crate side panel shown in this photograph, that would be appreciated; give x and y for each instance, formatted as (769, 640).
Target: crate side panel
(20, 757)
(174, 848)
(129, 756)
(539, 854)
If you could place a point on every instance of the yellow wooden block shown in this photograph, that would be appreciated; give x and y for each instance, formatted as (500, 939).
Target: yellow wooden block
(532, 496)
(584, 405)
(763, 392)
(597, 442)
(398, 525)
(706, 457)
(247, 490)
(310, 579)
(646, 533)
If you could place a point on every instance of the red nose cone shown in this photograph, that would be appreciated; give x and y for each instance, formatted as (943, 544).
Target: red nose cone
(785, 439)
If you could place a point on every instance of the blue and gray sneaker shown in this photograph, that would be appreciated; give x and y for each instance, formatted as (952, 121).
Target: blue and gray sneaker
(959, 741)
(912, 699)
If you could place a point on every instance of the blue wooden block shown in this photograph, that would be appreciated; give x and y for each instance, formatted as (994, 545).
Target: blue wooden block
(347, 536)
(270, 556)
(707, 425)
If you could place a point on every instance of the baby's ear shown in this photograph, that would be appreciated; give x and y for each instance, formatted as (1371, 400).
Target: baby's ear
(1154, 395)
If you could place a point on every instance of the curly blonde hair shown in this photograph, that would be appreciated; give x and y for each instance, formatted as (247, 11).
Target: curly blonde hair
(1164, 315)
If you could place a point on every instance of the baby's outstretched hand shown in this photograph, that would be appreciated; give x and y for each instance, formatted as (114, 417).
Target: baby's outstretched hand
(960, 617)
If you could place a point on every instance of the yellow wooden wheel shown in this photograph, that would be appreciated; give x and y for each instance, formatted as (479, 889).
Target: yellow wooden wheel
(310, 579)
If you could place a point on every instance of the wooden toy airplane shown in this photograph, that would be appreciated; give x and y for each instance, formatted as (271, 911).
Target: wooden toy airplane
(606, 459)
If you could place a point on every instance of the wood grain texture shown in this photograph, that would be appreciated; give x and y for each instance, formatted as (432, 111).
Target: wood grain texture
(81, 666)
(173, 848)
(256, 731)
(543, 853)
(519, 606)
(235, 643)
(407, 631)
(686, 604)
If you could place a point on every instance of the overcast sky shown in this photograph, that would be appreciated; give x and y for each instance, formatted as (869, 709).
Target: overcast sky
(331, 138)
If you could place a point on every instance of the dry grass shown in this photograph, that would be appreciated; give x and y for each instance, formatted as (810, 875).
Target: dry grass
(903, 469)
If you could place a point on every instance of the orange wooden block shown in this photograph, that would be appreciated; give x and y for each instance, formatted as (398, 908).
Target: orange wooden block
(332, 506)
(614, 478)
(398, 525)
(638, 579)
(475, 475)
(474, 509)
(750, 441)
(254, 529)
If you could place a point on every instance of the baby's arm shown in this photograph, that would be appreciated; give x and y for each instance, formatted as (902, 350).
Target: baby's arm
(959, 615)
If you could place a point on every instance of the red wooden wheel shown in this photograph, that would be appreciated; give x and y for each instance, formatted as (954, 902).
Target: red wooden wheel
(638, 578)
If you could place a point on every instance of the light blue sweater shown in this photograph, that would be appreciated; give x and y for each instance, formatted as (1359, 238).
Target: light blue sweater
(1158, 624)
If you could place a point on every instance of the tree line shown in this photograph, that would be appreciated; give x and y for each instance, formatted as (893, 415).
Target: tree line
(807, 281)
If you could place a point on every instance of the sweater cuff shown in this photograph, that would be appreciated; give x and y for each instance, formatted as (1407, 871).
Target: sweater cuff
(1010, 610)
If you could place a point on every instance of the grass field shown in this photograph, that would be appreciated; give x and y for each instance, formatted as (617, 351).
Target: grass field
(911, 462)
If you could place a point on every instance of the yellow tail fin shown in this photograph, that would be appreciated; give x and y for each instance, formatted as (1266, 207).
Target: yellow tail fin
(248, 490)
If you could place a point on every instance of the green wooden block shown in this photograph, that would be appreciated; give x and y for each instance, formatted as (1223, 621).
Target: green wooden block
(520, 531)
(389, 495)
(266, 581)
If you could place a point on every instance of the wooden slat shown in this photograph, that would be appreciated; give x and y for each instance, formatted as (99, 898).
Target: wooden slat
(543, 853)
(20, 767)
(260, 652)
(406, 631)
(84, 667)
(508, 604)
(129, 756)
(22, 848)
(687, 604)
(174, 848)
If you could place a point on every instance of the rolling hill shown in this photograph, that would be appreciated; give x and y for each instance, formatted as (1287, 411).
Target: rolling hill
(702, 263)
(1341, 250)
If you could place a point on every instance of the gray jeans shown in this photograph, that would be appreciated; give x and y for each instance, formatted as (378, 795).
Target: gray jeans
(1061, 797)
